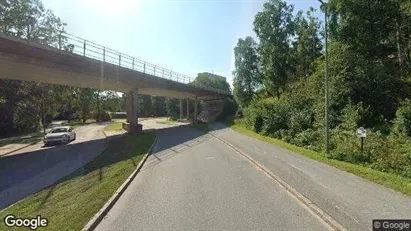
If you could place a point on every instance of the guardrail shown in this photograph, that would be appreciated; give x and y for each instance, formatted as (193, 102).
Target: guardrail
(71, 43)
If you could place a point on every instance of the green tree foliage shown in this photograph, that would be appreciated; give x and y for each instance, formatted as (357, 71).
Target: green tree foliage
(216, 82)
(246, 75)
(274, 27)
(172, 108)
(307, 45)
(369, 80)
(86, 103)
(158, 105)
(145, 106)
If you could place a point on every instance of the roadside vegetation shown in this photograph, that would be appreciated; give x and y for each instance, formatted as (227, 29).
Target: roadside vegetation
(279, 84)
(117, 126)
(394, 181)
(63, 204)
(200, 126)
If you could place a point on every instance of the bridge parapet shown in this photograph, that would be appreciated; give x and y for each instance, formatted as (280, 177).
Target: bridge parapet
(67, 42)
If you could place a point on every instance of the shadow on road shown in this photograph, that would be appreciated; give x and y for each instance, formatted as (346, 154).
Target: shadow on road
(27, 173)
(173, 141)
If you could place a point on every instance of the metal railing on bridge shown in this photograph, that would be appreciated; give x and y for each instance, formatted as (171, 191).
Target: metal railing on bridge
(71, 43)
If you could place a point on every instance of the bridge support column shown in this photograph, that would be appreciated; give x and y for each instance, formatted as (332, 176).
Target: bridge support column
(188, 109)
(132, 125)
(195, 110)
(181, 109)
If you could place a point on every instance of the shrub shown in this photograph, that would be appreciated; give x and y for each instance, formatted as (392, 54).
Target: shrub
(310, 139)
(402, 122)
(229, 109)
(253, 118)
(275, 119)
(104, 116)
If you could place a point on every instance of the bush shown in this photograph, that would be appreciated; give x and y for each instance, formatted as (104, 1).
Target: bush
(310, 139)
(104, 116)
(393, 157)
(402, 122)
(253, 118)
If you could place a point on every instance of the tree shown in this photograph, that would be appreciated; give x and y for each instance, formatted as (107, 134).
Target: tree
(172, 108)
(145, 105)
(26, 103)
(307, 44)
(274, 28)
(203, 79)
(86, 103)
(246, 74)
(158, 105)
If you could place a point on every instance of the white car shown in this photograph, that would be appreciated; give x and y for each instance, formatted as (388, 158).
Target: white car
(59, 135)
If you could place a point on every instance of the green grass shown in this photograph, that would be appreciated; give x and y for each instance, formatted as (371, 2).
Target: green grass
(78, 123)
(200, 126)
(392, 181)
(74, 200)
(28, 140)
(117, 126)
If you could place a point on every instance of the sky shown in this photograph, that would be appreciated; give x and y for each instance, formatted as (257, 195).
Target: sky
(186, 36)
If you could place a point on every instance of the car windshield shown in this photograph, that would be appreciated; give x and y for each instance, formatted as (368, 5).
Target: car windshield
(58, 130)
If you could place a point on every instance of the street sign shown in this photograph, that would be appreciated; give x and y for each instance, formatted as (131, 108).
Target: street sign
(361, 132)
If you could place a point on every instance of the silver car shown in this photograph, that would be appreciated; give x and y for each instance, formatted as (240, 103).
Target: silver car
(59, 135)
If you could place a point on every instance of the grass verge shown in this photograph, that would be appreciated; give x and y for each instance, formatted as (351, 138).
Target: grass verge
(117, 126)
(74, 200)
(200, 126)
(389, 180)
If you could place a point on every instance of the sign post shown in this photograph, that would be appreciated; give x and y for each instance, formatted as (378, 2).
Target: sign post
(362, 133)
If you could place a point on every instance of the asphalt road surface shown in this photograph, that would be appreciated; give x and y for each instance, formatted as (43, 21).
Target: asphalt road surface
(353, 201)
(35, 167)
(195, 182)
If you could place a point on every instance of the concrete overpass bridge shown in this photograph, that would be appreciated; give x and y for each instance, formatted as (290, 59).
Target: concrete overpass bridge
(77, 62)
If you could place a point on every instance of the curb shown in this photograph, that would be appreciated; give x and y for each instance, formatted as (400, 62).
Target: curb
(92, 224)
(319, 213)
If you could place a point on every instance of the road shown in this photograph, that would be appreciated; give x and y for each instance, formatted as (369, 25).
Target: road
(195, 182)
(353, 201)
(35, 167)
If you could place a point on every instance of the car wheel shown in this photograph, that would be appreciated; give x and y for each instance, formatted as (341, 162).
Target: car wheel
(66, 140)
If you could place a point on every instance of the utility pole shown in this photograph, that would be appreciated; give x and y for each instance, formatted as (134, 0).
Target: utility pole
(327, 130)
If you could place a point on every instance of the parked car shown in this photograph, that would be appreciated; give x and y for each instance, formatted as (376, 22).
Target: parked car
(59, 135)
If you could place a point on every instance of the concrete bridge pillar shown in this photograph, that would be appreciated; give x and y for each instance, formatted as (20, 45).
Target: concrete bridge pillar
(195, 110)
(188, 109)
(132, 125)
(181, 109)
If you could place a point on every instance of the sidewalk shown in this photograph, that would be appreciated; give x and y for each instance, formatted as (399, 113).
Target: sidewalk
(351, 200)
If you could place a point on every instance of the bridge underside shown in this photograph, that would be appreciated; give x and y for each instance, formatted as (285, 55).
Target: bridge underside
(34, 62)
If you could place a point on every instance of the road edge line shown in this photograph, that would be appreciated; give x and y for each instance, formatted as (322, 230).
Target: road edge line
(98, 217)
(309, 205)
